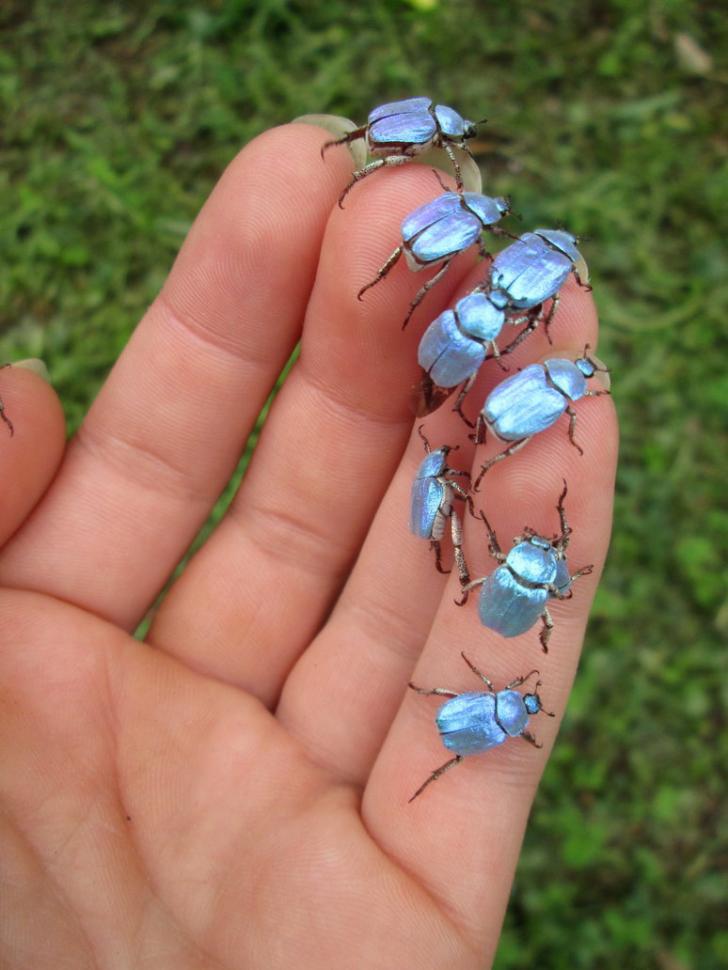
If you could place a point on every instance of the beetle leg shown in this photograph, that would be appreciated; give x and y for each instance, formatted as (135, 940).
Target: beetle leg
(436, 548)
(550, 317)
(462, 494)
(572, 427)
(381, 272)
(493, 545)
(546, 630)
(6, 419)
(527, 736)
(456, 532)
(466, 589)
(496, 458)
(436, 774)
(456, 166)
(458, 491)
(496, 356)
(584, 571)
(457, 406)
(478, 672)
(481, 428)
(422, 293)
(439, 691)
(3, 415)
(563, 540)
(533, 321)
(521, 680)
(485, 253)
(423, 436)
(361, 173)
(596, 393)
(350, 136)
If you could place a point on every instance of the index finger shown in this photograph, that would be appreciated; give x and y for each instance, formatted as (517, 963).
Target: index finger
(169, 425)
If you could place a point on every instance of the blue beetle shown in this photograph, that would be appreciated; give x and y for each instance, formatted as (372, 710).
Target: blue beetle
(522, 278)
(514, 596)
(532, 400)
(532, 270)
(433, 494)
(474, 722)
(400, 130)
(455, 345)
(439, 230)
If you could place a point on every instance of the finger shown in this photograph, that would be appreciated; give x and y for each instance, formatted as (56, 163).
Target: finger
(168, 427)
(29, 457)
(342, 695)
(333, 438)
(472, 821)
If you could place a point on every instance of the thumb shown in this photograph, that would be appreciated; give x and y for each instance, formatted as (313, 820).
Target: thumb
(32, 441)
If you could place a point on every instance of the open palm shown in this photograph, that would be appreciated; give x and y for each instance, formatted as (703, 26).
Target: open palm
(233, 793)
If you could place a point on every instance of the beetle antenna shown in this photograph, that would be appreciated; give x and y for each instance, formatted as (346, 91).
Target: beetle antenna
(543, 709)
(422, 435)
(601, 369)
(439, 179)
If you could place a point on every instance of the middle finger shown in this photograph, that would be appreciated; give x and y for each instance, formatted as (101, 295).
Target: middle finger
(268, 576)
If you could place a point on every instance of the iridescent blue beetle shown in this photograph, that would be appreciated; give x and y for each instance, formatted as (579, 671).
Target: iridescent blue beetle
(438, 231)
(522, 278)
(400, 130)
(433, 493)
(514, 596)
(474, 722)
(532, 400)
(532, 270)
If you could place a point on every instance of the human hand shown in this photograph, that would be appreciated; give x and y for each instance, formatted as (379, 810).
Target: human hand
(233, 793)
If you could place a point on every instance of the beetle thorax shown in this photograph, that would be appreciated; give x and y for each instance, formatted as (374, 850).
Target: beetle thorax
(510, 712)
(534, 562)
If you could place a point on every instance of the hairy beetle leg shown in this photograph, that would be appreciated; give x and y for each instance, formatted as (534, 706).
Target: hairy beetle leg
(527, 736)
(381, 272)
(499, 457)
(422, 293)
(572, 428)
(432, 691)
(372, 167)
(546, 630)
(437, 773)
(349, 137)
(478, 673)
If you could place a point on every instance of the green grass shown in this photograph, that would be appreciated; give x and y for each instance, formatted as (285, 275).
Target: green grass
(118, 119)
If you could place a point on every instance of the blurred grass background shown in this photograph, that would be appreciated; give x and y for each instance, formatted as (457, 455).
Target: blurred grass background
(117, 120)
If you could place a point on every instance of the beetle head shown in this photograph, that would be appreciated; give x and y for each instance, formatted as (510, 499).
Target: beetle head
(589, 365)
(533, 703)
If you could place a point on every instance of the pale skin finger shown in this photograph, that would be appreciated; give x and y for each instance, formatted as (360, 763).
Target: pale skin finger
(335, 434)
(29, 458)
(168, 427)
(342, 695)
(473, 819)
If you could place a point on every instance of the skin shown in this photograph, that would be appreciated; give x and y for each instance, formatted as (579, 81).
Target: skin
(233, 792)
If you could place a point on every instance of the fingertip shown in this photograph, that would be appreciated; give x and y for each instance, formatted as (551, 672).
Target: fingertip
(30, 456)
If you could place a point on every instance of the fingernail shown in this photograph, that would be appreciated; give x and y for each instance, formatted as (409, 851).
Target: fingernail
(602, 376)
(338, 126)
(36, 365)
